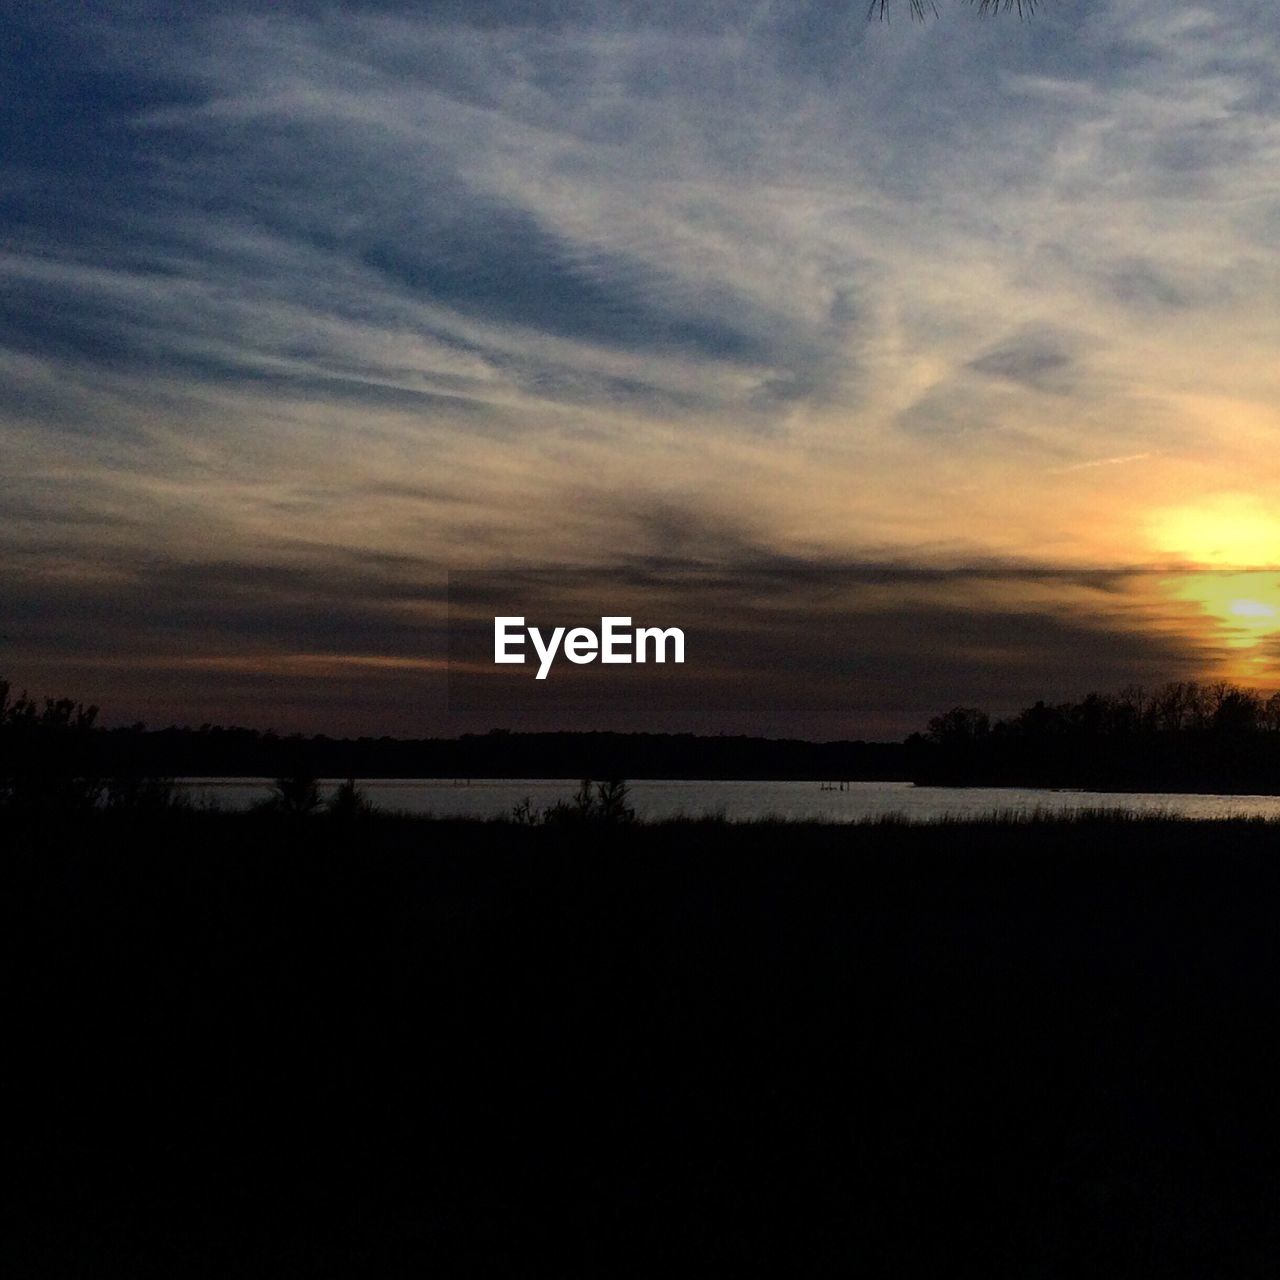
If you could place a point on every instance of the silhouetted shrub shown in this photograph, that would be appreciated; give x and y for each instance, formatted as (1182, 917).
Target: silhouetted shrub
(599, 802)
(294, 796)
(611, 801)
(348, 803)
(525, 815)
(48, 757)
(139, 793)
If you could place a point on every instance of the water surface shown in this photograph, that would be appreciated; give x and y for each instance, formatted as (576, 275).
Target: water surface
(656, 799)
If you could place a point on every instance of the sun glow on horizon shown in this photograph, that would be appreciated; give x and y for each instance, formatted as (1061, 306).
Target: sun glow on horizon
(1227, 531)
(1231, 542)
(1242, 614)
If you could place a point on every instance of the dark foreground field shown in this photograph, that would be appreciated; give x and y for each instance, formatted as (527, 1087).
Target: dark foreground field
(246, 1046)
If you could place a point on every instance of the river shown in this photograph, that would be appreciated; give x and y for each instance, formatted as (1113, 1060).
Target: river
(743, 801)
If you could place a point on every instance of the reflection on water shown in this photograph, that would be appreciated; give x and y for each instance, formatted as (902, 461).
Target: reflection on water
(746, 800)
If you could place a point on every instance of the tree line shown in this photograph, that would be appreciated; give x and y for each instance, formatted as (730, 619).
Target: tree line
(1180, 736)
(1183, 735)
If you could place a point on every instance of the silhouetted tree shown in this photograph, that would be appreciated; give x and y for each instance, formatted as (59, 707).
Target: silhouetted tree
(1184, 734)
(1236, 710)
(48, 758)
(1270, 717)
(959, 727)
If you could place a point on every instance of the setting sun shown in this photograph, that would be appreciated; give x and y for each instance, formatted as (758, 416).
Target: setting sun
(1240, 612)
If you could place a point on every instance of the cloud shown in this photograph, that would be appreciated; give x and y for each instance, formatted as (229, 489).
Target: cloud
(804, 645)
(1040, 361)
(610, 282)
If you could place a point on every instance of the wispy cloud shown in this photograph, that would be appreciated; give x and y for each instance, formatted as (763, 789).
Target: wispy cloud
(471, 283)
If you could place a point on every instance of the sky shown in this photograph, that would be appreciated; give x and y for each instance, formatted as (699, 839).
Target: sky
(306, 309)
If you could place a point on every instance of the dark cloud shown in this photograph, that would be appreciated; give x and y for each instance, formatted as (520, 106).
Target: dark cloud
(1040, 361)
(838, 649)
(1140, 283)
(821, 647)
(140, 606)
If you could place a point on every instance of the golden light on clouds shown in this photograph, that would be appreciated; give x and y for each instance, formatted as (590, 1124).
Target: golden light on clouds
(747, 320)
(1225, 530)
(1241, 614)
